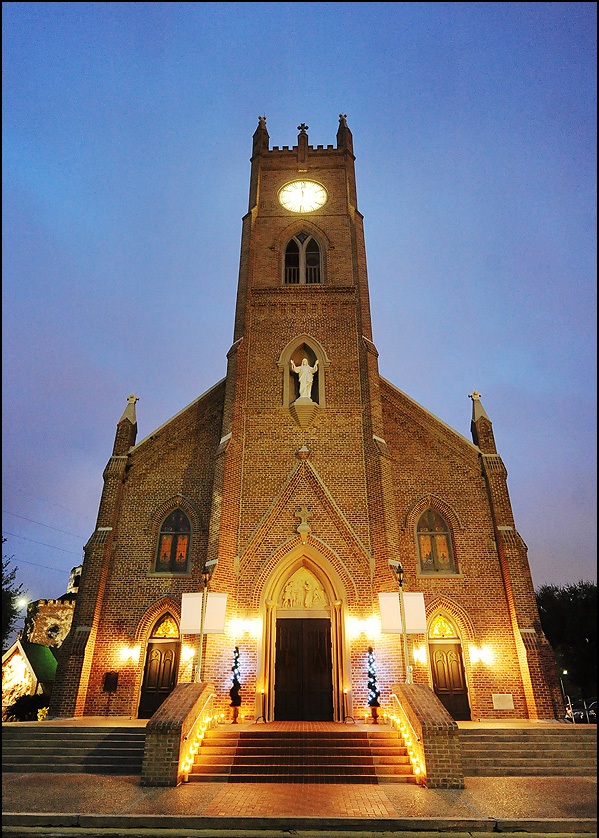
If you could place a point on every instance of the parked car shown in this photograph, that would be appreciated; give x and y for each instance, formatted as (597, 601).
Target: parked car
(582, 711)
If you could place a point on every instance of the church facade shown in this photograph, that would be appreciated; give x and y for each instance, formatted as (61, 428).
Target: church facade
(291, 492)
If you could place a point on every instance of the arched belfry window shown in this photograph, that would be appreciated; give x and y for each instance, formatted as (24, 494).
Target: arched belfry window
(173, 544)
(303, 261)
(434, 543)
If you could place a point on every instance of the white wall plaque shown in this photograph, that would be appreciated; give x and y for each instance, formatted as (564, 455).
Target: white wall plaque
(503, 701)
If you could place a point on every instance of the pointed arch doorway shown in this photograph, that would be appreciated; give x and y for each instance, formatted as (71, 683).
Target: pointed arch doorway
(303, 646)
(449, 677)
(162, 663)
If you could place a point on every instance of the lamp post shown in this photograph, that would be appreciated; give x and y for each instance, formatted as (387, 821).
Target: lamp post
(205, 582)
(404, 633)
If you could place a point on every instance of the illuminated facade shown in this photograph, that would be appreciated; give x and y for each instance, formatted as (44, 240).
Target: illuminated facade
(295, 481)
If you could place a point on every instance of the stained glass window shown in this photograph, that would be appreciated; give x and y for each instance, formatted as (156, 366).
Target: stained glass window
(165, 627)
(441, 627)
(434, 544)
(173, 544)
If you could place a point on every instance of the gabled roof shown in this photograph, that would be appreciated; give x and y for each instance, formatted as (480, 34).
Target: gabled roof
(41, 659)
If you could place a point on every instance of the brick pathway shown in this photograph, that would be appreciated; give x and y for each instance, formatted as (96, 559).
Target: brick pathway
(308, 800)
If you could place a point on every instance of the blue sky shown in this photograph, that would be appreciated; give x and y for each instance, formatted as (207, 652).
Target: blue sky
(126, 142)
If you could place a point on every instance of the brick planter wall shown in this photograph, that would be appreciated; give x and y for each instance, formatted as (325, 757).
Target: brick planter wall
(168, 731)
(439, 745)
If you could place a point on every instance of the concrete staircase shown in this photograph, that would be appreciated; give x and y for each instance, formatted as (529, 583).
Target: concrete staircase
(33, 748)
(261, 755)
(568, 750)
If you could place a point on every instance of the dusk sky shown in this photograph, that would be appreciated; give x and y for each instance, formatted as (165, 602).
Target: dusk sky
(127, 133)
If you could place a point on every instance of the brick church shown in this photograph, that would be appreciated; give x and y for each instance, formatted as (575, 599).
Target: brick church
(295, 494)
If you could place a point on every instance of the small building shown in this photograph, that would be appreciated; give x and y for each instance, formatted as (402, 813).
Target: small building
(27, 669)
(29, 665)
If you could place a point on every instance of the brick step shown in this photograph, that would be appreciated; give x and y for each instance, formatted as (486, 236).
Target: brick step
(346, 756)
(315, 749)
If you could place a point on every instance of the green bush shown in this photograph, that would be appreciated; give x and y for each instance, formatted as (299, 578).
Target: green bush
(26, 707)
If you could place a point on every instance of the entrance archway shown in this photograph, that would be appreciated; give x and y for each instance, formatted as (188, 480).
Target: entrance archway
(303, 663)
(447, 665)
(161, 666)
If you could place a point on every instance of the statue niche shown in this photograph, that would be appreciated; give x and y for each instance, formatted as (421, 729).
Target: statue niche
(304, 373)
(302, 364)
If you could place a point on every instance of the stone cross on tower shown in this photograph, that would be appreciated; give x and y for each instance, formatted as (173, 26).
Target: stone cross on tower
(304, 529)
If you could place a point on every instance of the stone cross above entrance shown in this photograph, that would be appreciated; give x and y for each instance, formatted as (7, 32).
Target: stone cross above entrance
(304, 529)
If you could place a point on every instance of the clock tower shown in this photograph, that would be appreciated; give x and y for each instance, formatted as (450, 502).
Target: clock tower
(303, 302)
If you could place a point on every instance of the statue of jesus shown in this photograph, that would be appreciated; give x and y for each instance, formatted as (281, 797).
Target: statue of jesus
(305, 373)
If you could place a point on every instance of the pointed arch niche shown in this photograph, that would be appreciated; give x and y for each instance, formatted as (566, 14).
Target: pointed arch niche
(300, 347)
(304, 586)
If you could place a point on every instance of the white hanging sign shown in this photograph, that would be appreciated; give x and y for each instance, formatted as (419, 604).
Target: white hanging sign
(415, 613)
(191, 613)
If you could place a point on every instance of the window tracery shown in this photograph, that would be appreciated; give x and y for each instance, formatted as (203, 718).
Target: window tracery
(303, 263)
(173, 544)
(434, 543)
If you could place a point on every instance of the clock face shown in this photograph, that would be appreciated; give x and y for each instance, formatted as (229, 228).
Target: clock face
(302, 196)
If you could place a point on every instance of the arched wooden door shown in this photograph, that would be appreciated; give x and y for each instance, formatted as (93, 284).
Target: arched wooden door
(449, 677)
(449, 680)
(162, 664)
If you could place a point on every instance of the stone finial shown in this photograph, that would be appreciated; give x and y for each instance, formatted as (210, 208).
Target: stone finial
(478, 410)
(343, 119)
(303, 453)
(262, 122)
(130, 409)
(302, 128)
(304, 529)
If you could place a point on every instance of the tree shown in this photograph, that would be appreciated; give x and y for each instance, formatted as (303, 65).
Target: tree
(569, 620)
(10, 594)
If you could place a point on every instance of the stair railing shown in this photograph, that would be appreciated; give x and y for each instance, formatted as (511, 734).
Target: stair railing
(192, 740)
(412, 740)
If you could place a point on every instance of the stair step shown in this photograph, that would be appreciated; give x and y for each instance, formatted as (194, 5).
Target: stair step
(560, 751)
(344, 756)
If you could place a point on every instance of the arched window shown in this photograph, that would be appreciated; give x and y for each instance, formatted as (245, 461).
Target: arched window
(434, 544)
(302, 261)
(173, 544)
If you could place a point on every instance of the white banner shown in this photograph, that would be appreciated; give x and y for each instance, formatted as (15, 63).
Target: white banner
(415, 613)
(191, 613)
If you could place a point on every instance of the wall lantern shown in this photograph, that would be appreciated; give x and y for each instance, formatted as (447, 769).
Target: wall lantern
(482, 654)
(420, 654)
(370, 627)
(130, 653)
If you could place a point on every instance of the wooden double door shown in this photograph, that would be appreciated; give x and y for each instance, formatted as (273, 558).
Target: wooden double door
(449, 680)
(160, 675)
(303, 670)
